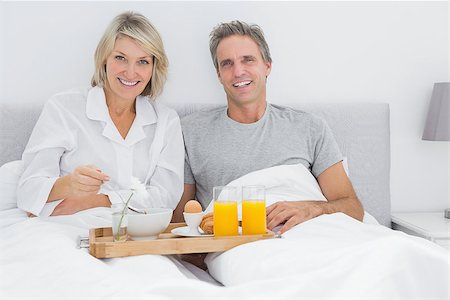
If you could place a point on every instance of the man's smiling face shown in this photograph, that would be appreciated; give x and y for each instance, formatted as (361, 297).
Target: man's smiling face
(242, 70)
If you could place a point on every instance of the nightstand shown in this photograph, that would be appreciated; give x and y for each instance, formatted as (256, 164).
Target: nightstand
(432, 226)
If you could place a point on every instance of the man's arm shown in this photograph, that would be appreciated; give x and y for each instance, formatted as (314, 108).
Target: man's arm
(337, 189)
(188, 194)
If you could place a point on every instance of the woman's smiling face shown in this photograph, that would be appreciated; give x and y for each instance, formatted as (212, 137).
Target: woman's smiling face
(128, 69)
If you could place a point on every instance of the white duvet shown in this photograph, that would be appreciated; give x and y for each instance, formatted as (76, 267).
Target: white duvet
(329, 257)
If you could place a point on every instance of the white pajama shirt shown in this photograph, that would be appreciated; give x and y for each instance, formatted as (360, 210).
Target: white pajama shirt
(75, 129)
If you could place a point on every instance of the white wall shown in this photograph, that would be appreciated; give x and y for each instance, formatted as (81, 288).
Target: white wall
(323, 51)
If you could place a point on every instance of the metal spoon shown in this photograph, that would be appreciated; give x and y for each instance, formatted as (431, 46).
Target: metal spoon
(136, 210)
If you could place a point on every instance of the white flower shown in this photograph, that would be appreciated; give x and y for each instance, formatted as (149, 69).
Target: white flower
(138, 188)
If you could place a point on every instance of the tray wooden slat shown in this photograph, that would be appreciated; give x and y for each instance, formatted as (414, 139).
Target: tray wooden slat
(101, 244)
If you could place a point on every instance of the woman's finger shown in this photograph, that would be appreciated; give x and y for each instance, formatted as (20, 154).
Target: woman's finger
(88, 180)
(94, 173)
(86, 188)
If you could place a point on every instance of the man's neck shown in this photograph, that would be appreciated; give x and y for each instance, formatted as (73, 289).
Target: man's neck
(246, 113)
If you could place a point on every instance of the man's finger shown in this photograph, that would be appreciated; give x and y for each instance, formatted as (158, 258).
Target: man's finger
(270, 208)
(289, 224)
(278, 219)
(278, 209)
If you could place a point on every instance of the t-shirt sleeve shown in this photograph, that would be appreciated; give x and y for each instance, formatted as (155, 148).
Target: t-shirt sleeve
(186, 127)
(326, 150)
(188, 176)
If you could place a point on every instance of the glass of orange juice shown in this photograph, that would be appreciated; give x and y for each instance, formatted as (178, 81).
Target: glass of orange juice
(225, 210)
(253, 209)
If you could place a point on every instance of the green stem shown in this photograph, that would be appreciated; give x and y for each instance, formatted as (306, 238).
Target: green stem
(122, 215)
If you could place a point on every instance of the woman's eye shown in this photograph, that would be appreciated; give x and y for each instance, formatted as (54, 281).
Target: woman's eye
(143, 62)
(119, 57)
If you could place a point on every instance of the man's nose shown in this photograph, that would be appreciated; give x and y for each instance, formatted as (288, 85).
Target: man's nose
(238, 70)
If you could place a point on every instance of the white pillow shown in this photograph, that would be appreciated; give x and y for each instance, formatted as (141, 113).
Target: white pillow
(9, 179)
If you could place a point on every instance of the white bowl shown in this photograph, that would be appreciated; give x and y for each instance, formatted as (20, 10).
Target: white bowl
(148, 226)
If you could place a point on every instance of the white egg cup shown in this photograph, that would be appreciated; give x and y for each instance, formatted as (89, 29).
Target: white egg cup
(193, 220)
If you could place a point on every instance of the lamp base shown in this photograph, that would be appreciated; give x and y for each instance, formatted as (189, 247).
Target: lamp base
(447, 213)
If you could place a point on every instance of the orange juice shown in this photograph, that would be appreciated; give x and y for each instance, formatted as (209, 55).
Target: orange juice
(253, 217)
(225, 218)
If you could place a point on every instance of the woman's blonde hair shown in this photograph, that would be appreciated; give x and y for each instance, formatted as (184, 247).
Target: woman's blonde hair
(138, 28)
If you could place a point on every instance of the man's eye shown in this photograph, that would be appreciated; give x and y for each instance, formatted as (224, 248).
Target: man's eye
(226, 63)
(119, 57)
(248, 59)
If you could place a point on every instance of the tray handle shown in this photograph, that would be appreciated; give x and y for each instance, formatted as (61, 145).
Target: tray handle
(82, 242)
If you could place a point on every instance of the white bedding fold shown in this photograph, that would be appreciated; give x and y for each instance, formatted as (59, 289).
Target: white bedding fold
(325, 258)
(337, 256)
(329, 257)
(332, 255)
(285, 183)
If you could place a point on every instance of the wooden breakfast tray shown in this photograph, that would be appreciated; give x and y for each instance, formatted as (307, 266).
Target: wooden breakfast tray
(101, 244)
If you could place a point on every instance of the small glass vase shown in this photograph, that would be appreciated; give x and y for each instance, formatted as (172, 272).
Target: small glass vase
(119, 222)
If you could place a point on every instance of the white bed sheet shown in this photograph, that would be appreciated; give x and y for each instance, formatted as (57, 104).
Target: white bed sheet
(329, 257)
(317, 260)
(338, 256)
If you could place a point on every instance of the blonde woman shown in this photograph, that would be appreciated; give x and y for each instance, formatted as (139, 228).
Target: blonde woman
(88, 144)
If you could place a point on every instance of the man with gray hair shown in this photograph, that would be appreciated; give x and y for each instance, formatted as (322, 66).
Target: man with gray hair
(250, 134)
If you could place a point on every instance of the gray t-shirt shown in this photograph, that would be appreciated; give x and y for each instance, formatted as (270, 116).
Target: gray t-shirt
(220, 150)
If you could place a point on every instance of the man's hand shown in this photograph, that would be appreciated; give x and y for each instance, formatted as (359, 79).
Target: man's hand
(73, 205)
(291, 213)
(337, 189)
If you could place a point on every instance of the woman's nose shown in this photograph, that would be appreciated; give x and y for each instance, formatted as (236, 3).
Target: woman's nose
(130, 71)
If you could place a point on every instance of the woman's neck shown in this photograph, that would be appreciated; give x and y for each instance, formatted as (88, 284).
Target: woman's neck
(118, 106)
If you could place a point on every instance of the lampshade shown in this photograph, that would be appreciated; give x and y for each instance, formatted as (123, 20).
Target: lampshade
(437, 126)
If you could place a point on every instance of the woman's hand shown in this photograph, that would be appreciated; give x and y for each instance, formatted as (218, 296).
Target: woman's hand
(86, 181)
(83, 181)
(73, 205)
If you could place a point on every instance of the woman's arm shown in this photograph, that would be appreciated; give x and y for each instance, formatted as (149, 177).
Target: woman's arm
(49, 140)
(41, 181)
(73, 205)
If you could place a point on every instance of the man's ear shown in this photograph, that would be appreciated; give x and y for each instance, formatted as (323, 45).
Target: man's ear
(218, 76)
(268, 68)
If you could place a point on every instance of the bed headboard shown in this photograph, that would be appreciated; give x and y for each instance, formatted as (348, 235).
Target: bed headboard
(361, 131)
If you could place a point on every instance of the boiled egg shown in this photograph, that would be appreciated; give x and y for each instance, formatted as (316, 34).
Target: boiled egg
(192, 206)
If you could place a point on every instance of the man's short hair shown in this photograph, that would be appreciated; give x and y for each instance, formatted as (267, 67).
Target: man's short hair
(224, 30)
